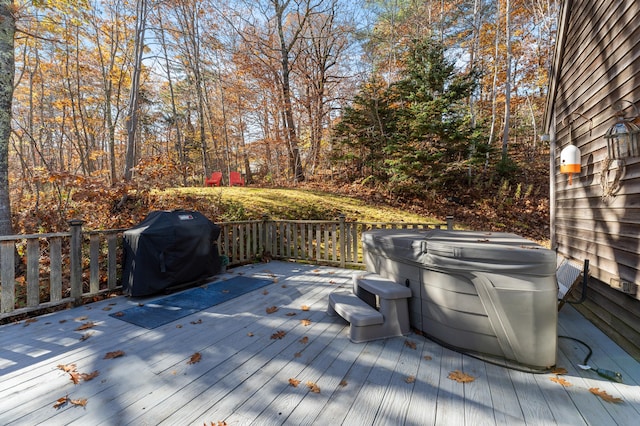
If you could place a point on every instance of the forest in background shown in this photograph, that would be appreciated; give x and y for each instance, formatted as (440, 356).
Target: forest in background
(433, 104)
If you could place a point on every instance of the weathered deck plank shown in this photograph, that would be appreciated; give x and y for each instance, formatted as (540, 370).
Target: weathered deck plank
(243, 375)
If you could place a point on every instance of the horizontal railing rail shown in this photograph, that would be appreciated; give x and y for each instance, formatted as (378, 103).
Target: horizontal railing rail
(41, 271)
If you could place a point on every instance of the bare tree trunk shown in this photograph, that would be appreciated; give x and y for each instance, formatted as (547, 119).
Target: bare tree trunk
(507, 83)
(285, 49)
(7, 72)
(131, 122)
(108, 48)
(494, 84)
(179, 142)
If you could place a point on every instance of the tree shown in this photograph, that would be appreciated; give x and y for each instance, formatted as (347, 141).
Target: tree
(420, 126)
(364, 131)
(131, 121)
(7, 70)
(507, 88)
(435, 137)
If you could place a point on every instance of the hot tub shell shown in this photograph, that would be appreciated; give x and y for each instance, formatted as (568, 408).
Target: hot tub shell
(488, 293)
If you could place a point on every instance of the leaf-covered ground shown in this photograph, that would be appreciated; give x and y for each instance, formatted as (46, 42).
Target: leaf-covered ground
(519, 204)
(524, 214)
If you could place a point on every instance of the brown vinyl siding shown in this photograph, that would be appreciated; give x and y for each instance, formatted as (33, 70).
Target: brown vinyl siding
(598, 65)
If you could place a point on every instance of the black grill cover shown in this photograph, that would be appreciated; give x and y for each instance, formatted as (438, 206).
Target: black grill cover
(169, 248)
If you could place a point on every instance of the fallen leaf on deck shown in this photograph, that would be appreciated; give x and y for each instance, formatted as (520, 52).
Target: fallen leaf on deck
(313, 387)
(559, 371)
(272, 309)
(305, 322)
(460, 377)
(196, 357)
(60, 402)
(86, 326)
(119, 314)
(410, 344)
(67, 367)
(343, 383)
(114, 354)
(107, 308)
(410, 379)
(75, 377)
(283, 286)
(304, 308)
(304, 340)
(332, 282)
(29, 321)
(250, 334)
(560, 381)
(178, 325)
(197, 322)
(316, 270)
(279, 334)
(427, 357)
(605, 396)
(89, 376)
(82, 318)
(291, 314)
(62, 321)
(297, 355)
(275, 280)
(265, 292)
(294, 382)
(85, 336)
(80, 402)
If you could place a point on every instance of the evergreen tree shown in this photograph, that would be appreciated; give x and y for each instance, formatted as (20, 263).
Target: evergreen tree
(417, 132)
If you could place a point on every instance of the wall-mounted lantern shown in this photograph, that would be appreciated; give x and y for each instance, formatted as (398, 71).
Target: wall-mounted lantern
(622, 143)
(622, 137)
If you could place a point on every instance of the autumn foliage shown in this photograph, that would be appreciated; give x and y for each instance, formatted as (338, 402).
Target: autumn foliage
(272, 107)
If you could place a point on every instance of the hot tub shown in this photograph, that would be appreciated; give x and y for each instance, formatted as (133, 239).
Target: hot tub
(488, 293)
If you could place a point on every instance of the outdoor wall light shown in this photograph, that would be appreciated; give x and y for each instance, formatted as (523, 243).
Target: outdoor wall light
(570, 156)
(622, 142)
(622, 137)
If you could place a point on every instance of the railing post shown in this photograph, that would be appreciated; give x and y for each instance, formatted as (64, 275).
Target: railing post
(266, 244)
(343, 240)
(76, 260)
(449, 223)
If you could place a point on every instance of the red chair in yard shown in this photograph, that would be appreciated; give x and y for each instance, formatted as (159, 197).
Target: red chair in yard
(235, 179)
(214, 180)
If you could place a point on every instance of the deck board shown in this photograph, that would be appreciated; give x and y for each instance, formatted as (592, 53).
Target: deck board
(242, 377)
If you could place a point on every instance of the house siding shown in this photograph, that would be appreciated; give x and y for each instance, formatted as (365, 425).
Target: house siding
(597, 65)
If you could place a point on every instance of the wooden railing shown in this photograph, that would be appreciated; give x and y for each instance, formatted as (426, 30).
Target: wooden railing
(41, 271)
(316, 241)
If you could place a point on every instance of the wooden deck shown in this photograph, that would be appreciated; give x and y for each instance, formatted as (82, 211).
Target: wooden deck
(243, 375)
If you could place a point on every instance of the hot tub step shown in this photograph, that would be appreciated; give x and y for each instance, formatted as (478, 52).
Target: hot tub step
(359, 308)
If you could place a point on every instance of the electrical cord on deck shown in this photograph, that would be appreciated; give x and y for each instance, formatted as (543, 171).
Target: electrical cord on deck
(505, 362)
(607, 374)
(602, 372)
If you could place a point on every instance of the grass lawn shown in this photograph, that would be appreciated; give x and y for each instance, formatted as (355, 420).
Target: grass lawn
(245, 203)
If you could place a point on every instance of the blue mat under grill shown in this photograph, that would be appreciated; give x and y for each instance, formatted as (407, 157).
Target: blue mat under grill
(179, 305)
